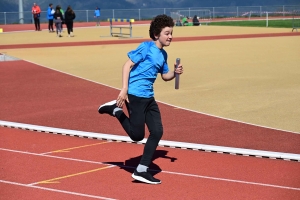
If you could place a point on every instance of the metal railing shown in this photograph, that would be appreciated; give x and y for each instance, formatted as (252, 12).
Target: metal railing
(147, 14)
(296, 21)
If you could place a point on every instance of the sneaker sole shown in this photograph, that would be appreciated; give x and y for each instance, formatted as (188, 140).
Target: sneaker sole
(141, 179)
(107, 104)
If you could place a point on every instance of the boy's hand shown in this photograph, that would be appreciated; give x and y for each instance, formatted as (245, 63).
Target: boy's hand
(179, 69)
(122, 98)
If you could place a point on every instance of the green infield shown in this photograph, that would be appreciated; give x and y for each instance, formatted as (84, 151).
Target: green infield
(288, 23)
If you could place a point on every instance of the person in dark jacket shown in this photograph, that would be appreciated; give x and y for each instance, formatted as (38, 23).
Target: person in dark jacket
(69, 17)
(58, 18)
(196, 21)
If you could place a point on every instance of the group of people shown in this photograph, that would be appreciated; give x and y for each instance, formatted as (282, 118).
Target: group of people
(55, 16)
(185, 21)
(58, 17)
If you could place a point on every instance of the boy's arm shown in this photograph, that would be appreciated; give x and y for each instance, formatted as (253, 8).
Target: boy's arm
(125, 73)
(168, 76)
(125, 77)
(171, 74)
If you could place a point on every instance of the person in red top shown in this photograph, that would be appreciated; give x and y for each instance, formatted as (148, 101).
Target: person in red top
(36, 11)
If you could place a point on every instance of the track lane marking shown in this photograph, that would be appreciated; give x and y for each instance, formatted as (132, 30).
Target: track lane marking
(232, 180)
(58, 157)
(72, 148)
(168, 172)
(56, 190)
(54, 180)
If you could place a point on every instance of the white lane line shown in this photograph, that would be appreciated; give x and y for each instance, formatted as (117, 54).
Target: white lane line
(57, 157)
(56, 190)
(168, 172)
(232, 180)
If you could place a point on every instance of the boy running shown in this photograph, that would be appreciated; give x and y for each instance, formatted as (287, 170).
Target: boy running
(138, 76)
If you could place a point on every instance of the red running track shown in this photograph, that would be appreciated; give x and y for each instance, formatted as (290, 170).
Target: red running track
(32, 94)
(47, 166)
(130, 41)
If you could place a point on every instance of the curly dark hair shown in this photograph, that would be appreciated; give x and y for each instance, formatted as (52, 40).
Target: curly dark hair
(158, 23)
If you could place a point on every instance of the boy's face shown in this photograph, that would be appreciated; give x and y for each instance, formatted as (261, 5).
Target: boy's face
(165, 37)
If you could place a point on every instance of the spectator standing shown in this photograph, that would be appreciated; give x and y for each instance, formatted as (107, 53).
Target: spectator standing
(63, 21)
(36, 12)
(58, 18)
(50, 13)
(69, 17)
(97, 16)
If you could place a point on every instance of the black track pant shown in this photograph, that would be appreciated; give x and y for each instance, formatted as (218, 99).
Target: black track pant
(50, 24)
(143, 111)
(69, 26)
(37, 23)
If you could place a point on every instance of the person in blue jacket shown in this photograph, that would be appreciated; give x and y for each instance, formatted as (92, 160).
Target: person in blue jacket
(97, 16)
(50, 13)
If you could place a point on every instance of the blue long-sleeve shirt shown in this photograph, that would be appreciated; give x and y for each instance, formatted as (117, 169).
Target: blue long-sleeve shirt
(97, 12)
(49, 14)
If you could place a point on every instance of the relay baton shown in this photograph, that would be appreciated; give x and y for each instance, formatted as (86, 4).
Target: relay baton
(177, 75)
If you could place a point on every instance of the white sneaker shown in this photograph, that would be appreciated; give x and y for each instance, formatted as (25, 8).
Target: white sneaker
(145, 177)
(108, 108)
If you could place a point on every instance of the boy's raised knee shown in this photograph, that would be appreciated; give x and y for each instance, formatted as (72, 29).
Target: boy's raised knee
(137, 138)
